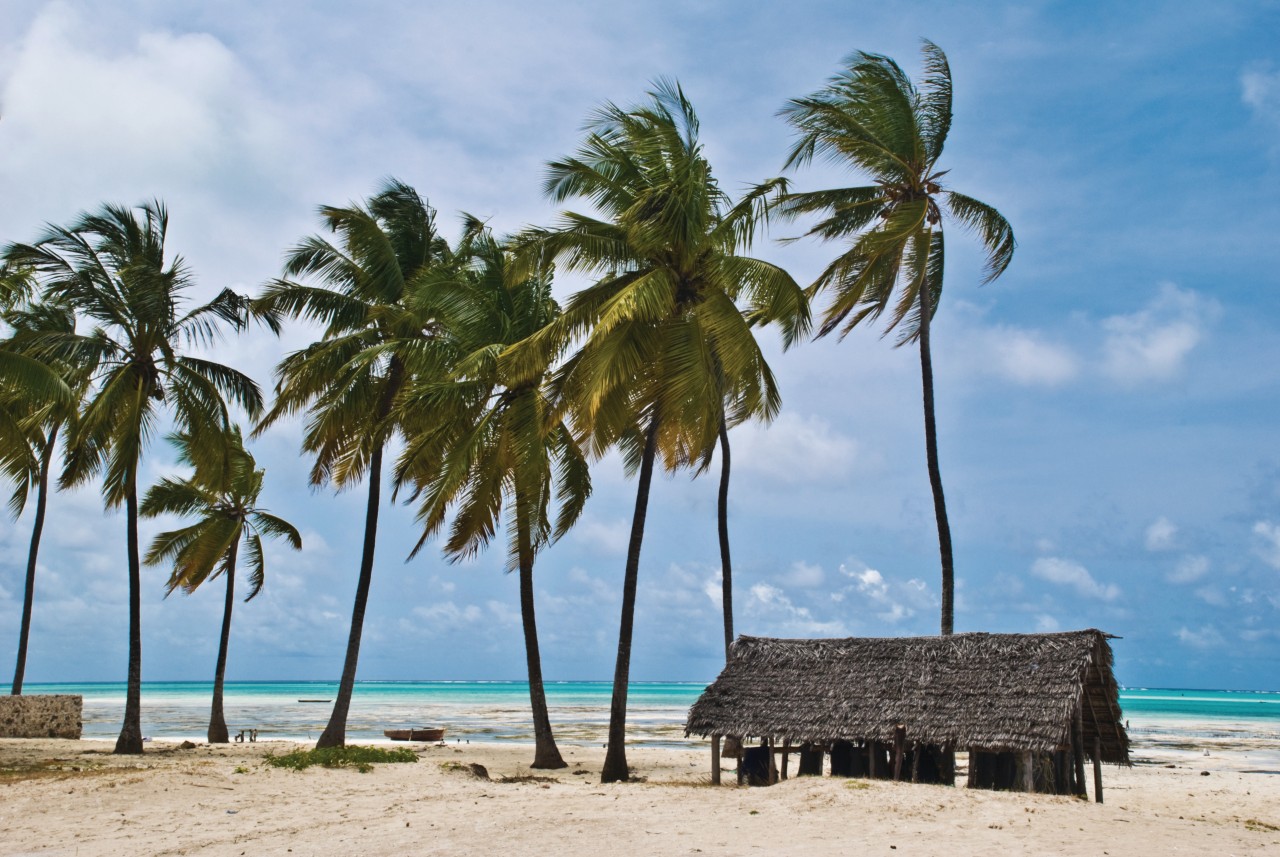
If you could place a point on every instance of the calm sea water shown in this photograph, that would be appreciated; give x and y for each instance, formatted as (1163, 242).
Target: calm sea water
(499, 711)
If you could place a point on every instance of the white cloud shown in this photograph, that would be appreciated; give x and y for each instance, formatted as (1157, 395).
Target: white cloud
(771, 606)
(1064, 572)
(1205, 637)
(594, 585)
(133, 120)
(607, 537)
(1269, 542)
(1260, 91)
(1212, 596)
(794, 449)
(898, 601)
(1153, 343)
(503, 613)
(1189, 568)
(871, 582)
(1161, 534)
(1046, 624)
(804, 575)
(447, 615)
(1024, 357)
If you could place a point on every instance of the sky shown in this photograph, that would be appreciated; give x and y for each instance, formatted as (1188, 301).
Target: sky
(1106, 409)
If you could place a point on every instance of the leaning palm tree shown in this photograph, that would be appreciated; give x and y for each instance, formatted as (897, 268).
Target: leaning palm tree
(664, 343)
(112, 270)
(479, 445)
(223, 497)
(42, 420)
(873, 118)
(348, 381)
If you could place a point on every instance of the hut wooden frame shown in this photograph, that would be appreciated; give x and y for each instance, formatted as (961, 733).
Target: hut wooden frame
(1028, 708)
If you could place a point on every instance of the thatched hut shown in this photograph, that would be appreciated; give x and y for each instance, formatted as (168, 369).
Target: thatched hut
(1028, 708)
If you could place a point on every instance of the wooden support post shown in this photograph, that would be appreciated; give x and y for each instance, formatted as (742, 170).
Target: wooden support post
(1097, 768)
(1028, 771)
(1077, 752)
(741, 773)
(872, 748)
(773, 767)
(973, 769)
(786, 756)
(916, 749)
(899, 746)
(715, 760)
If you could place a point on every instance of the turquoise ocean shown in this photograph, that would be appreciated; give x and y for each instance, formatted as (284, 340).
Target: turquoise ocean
(1169, 719)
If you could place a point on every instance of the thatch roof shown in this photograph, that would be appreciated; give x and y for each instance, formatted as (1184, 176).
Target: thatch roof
(994, 692)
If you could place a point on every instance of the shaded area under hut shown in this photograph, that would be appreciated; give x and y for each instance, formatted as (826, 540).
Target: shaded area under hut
(1027, 708)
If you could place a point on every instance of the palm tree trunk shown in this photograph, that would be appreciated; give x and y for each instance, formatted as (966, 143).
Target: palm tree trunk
(615, 759)
(24, 632)
(217, 721)
(130, 739)
(726, 568)
(335, 734)
(545, 752)
(935, 474)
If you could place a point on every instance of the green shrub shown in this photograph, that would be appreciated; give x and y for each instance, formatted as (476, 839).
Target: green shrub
(360, 758)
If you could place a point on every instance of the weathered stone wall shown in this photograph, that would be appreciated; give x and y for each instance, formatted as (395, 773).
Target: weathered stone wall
(41, 716)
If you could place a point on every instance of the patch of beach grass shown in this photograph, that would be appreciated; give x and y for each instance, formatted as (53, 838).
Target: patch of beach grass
(361, 758)
(49, 769)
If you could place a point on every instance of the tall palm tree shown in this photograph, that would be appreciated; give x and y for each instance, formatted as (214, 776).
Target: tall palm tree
(42, 420)
(664, 343)
(111, 269)
(224, 501)
(873, 118)
(372, 343)
(480, 444)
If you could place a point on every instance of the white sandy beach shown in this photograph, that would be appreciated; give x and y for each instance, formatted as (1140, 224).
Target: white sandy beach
(73, 797)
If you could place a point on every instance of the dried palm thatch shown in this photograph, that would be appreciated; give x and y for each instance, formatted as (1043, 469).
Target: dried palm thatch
(989, 692)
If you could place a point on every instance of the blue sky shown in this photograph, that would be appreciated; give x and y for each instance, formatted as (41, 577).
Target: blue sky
(1107, 409)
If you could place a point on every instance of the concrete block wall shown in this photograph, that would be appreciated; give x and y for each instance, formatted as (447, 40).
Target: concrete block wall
(41, 716)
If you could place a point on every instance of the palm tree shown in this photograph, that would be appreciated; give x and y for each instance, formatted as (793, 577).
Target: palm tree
(224, 500)
(27, 383)
(873, 118)
(111, 269)
(480, 443)
(348, 381)
(664, 344)
(42, 420)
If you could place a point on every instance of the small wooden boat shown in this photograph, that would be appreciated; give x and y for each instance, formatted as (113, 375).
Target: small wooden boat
(414, 734)
(315, 700)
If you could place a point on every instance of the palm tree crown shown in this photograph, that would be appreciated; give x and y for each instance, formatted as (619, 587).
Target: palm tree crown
(663, 333)
(225, 504)
(874, 118)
